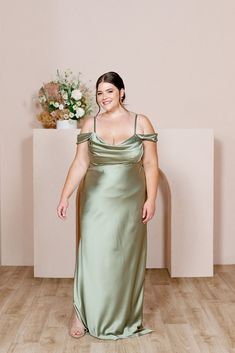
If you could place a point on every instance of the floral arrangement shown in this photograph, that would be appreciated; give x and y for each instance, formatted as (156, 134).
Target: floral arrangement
(64, 98)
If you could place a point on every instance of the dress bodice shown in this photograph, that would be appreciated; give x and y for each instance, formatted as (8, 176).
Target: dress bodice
(129, 151)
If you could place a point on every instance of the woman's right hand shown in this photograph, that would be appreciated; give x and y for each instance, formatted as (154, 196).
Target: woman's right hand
(62, 208)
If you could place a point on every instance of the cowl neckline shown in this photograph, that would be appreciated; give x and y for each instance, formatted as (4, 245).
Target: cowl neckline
(87, 135)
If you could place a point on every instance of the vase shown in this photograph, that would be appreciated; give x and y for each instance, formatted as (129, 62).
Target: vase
(66, 124)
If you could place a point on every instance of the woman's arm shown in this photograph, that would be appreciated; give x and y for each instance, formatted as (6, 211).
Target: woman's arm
(150, 164)
(76, 171)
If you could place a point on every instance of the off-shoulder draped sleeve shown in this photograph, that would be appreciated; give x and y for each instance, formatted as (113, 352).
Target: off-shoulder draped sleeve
(150, 137)
(83, 137)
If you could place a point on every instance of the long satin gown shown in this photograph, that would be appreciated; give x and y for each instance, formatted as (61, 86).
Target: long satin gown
(111, 261)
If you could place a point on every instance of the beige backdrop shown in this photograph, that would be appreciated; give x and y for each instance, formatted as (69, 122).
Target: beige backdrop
(177, 62)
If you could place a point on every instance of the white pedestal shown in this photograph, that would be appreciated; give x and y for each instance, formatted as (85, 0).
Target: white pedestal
(180, 236)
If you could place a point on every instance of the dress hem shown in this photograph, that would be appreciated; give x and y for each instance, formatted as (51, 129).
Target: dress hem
(114, 338)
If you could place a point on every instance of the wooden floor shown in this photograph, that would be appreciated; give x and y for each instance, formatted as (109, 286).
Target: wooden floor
(188, 315)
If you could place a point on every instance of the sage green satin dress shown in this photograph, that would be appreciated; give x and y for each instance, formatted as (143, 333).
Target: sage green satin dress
(111, 261)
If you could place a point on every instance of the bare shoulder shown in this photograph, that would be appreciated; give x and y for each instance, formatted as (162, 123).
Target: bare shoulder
(145, 124)
(88, 124)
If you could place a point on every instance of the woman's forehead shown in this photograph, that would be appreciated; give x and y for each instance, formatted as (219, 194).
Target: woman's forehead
(105, 85)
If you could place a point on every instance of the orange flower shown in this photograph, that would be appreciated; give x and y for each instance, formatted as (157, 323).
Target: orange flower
(47, 120)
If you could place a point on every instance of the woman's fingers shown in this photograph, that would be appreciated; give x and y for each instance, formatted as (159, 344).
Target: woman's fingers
(146, 219)
(148, 213)
(144, 213)
(61, 211)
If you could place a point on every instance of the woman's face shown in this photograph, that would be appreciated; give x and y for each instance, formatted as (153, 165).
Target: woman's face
(108, 96)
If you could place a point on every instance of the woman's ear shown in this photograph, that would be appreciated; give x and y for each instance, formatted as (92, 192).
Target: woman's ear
(122, 91)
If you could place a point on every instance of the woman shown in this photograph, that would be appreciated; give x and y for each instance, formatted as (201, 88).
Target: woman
(117, 161)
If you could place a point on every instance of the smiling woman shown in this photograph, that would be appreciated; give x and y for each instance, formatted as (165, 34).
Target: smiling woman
(118, 194)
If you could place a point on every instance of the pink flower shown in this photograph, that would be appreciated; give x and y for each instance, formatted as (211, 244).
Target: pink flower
(52, 91)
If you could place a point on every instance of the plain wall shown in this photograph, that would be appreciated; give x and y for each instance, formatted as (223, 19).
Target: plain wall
(177, 62)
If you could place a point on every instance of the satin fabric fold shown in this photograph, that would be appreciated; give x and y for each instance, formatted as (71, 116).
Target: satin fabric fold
(111, 261)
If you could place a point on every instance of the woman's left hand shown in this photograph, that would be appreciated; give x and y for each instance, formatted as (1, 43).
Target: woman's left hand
(148, 210)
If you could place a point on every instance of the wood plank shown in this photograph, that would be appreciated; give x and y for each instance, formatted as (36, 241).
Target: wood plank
(187, 314)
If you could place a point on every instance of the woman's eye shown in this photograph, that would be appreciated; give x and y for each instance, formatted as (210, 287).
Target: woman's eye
(98, 94)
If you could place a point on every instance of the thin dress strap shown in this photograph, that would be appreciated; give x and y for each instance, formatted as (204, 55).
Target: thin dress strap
(135, 123)
(95, 123)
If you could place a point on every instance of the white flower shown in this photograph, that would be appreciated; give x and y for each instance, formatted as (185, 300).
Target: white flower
(79, 103)
(42, 99)
(74, 107)
(71, 115)
(66, 116)
(74, 83)
(76, 94)
(65, 96)
(80, 112)
(61, 107)
(56, 104)
(68, 72)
